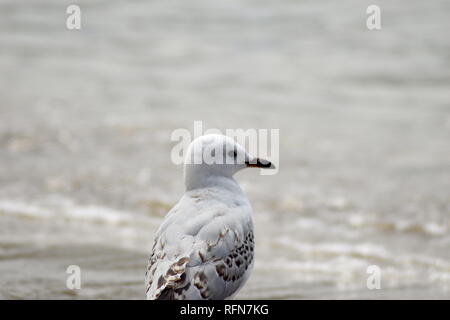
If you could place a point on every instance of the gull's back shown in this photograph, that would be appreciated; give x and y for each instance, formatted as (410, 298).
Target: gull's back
(204, 247)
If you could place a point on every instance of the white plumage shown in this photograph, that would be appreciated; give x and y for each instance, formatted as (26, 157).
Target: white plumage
(204, 247)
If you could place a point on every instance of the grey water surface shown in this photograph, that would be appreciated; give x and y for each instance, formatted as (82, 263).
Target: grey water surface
(86, 118)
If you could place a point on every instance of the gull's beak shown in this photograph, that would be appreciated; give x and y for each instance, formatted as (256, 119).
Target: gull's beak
(260, 163)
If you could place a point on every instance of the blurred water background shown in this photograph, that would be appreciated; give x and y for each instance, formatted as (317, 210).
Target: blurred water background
(364, 118)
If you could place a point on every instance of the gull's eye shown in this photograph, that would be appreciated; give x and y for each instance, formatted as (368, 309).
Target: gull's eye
(233, 154)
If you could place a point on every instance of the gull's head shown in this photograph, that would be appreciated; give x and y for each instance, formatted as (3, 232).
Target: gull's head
(215, 155)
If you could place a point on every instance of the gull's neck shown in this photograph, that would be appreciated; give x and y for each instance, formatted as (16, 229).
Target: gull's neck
(215, 182)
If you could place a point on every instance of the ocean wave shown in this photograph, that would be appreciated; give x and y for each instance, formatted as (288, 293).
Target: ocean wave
(367, 252)
(432, 228)
(67, 210)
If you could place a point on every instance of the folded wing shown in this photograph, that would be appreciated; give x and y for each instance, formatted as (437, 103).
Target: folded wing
(208, 255)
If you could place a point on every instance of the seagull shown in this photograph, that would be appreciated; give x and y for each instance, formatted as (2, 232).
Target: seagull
(204, 248)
